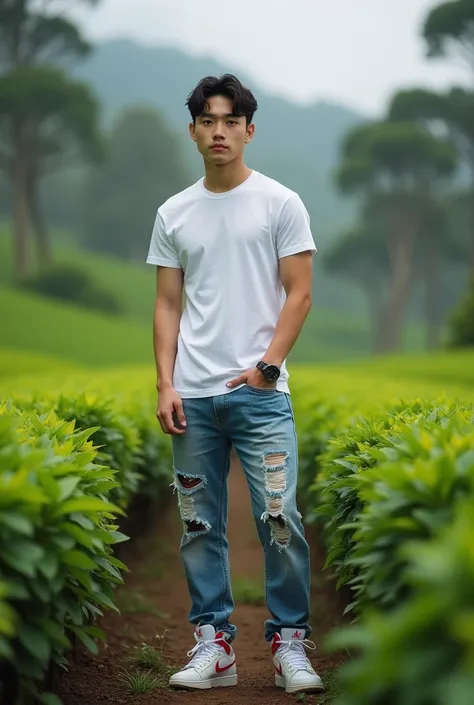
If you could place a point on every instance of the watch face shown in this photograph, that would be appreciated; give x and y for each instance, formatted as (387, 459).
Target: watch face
(272, 373)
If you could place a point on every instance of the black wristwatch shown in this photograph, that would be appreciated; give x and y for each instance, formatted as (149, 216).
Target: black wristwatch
(270, 372)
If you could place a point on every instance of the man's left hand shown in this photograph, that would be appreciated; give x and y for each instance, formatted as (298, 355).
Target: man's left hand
(253, 377)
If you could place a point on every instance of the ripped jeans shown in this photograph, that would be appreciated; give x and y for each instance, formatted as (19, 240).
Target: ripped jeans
(259, 424)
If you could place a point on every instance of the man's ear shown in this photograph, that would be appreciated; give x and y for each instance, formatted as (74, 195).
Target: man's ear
(250, 132)
(192, 131)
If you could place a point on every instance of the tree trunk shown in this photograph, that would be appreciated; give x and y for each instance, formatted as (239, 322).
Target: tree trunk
(375, 301)
(433, 287)
(401, 255)
(20, 202)
(379, 328)
(41, 234)
(471, 253)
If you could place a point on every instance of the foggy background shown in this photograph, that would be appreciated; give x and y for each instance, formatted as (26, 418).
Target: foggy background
(353, 53)
(357, 114)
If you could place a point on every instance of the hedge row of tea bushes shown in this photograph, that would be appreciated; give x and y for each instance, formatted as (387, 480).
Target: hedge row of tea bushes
(391, 486)
(71, 468)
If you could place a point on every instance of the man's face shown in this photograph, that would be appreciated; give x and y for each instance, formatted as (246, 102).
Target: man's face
(220, 136)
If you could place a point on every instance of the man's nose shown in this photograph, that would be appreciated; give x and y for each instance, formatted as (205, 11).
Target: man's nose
(219, 131)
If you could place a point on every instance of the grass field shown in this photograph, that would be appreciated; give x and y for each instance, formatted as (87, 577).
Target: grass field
(16, 363)
(51, 327)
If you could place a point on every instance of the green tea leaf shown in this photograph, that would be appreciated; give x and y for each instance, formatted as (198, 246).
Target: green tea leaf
(67, 486)
(86, 640)
(81, 536)
(49, 566)
(86, 504)
(17, 522)
(23, 557)
(35, 642)
(78, 559)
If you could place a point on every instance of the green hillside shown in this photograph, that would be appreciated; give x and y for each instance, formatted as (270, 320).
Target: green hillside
(132, 284)
(327, 336)
(448, 367)
(46, 326)
(34, 323)
(15, 363)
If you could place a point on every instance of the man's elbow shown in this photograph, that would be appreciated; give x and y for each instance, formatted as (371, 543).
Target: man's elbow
(307, 301)
(303, 300)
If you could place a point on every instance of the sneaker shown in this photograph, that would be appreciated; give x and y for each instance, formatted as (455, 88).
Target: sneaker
(212, 662)
(294, 671)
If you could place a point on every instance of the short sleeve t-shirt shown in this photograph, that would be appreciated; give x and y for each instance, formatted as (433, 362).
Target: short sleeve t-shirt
(228, 246)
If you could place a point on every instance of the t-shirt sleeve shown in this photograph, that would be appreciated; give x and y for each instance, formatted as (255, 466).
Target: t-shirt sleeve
(293, 232)
(162, 250)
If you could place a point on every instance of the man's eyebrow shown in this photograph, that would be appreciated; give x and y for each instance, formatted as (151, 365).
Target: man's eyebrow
(211, 115)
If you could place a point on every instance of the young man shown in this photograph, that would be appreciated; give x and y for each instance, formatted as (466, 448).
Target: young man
(239, 246)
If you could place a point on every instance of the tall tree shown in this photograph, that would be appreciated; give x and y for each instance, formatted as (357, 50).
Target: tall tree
(32, 33)
(438, 248)
(454, 111)
(143, 169)
(449, 30)
(36, 32)
(47, 113)
(395, 167)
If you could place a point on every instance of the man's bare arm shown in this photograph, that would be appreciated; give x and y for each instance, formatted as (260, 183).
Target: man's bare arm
(296, 277)
(166, 320)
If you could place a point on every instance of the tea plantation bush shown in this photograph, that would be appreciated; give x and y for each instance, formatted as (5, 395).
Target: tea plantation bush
(57, 530)
(386, 472)
(421, 651)
(389, 483)
(71, 467)
(69, 282)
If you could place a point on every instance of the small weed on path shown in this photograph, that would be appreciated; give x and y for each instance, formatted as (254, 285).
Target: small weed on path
(150, 668)
(333, 688)
(139, 682)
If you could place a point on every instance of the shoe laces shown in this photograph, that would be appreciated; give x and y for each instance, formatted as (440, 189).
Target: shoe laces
(203, 652)
(293, 652)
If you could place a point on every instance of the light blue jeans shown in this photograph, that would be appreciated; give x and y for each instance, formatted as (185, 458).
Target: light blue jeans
(259, 424)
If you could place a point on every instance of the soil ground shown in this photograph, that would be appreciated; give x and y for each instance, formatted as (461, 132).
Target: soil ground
(154, 602)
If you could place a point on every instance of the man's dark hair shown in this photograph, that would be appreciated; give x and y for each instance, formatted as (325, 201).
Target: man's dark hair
(227, 85)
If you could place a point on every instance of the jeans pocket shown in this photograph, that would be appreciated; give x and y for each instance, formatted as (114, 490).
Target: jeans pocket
(261, 390)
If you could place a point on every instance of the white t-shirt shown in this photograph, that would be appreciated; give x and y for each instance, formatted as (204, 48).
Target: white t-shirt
(228, 245)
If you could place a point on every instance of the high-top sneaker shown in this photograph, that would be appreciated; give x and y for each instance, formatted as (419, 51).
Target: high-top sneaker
(293, 670)
(212, 663)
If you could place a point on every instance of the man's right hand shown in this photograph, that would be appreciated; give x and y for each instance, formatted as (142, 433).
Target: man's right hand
(170, 412)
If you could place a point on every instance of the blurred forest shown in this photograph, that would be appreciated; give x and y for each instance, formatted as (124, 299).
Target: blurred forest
(94, 138)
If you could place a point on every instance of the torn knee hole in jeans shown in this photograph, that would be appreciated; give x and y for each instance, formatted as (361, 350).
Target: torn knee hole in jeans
(274, 464)
(186, 485)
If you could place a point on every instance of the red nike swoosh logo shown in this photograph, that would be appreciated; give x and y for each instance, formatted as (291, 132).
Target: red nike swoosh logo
(226, 668)
(279, 670)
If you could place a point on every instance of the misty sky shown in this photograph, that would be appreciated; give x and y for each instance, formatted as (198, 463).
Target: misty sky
(355, 52)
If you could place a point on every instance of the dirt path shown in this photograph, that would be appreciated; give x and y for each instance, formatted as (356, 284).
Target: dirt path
(155, 599)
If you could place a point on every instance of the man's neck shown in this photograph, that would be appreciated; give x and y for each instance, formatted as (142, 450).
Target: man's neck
(219, 179)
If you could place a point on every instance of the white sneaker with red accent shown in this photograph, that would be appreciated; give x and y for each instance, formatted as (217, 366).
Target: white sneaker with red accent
(212, 662)
(293, 670)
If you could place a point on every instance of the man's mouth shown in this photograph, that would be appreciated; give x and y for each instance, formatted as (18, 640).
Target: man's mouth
(218, 147)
